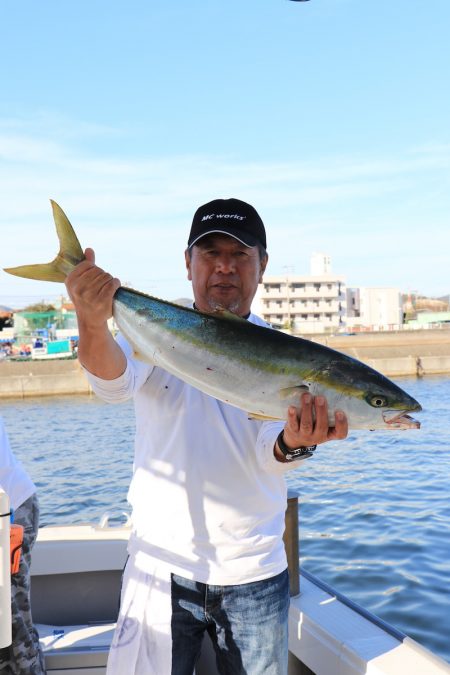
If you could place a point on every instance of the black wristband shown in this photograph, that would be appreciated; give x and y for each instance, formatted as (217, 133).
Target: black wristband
(291, 454)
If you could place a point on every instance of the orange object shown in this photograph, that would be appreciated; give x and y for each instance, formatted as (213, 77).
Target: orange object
(15, 545)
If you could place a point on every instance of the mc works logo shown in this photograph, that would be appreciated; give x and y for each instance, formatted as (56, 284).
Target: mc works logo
(235, 216)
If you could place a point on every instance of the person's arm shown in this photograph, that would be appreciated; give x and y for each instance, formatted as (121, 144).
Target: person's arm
(308, 426)
(91, 291)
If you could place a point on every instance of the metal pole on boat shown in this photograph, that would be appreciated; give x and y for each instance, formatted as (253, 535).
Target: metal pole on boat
(5, 572)
(291, 542)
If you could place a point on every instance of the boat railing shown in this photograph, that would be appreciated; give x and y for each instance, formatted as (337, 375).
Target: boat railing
(291, 542)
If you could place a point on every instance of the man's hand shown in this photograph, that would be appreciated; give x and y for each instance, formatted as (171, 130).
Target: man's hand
(308, 424)
(91, 291)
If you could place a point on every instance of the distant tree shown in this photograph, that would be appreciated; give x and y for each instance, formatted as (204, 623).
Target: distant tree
(39, 307)
(40, 315)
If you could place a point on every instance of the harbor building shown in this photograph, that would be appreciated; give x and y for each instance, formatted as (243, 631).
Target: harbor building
(304, 304)
(374, 309)
(322, 303)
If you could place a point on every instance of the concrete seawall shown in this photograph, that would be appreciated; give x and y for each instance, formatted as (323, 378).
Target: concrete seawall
(21, 379)
(393, 354)
(425, 352)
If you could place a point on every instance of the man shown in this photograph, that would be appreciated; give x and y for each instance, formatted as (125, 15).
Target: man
(24, 656)
(208, 493)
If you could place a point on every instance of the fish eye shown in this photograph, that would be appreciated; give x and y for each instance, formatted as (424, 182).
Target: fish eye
(377, 401)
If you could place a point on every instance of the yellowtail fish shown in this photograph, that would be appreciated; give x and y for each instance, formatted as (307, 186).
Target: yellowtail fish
(260, 370)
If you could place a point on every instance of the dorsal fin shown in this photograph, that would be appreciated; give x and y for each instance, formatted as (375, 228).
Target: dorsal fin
(223, 313)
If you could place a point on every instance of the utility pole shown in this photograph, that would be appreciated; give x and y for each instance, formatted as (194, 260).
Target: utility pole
(288, 269)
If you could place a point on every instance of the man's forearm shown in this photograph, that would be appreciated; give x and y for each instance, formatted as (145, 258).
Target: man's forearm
(99, 353)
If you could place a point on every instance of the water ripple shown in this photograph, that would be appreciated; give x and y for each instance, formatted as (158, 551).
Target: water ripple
(375, 519)
(374, 509)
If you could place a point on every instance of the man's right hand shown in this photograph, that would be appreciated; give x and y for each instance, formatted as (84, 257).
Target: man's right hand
(91, 290)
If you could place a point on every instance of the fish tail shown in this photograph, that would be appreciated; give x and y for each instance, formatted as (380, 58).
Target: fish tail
(70, 253)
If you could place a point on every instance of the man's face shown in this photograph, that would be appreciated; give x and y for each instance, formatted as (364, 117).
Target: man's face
(224, 273)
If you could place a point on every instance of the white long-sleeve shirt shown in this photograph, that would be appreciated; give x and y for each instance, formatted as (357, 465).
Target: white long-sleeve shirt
(207, 494)
(14, 480)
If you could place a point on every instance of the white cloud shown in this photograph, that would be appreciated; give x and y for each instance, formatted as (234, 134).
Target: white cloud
(136, 211)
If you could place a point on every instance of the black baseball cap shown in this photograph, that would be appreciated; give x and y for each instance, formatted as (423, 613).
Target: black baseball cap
(228, 216)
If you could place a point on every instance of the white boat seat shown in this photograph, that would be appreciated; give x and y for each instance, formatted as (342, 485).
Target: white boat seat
(84, 647)
(83, 650)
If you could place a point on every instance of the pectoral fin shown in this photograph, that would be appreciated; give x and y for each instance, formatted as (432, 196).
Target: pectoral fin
(291, 392)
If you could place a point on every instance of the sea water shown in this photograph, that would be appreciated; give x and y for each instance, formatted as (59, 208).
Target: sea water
(374, 509)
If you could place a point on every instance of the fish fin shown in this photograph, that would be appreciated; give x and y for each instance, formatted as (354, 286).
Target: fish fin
(141, 357)
(223, 313)
(264, 418)
(289, 392)
(70, 253)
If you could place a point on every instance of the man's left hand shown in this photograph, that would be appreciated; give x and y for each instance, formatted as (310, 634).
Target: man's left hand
(308, 424)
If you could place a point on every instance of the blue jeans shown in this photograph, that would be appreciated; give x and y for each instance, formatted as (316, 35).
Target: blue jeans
(247, 623)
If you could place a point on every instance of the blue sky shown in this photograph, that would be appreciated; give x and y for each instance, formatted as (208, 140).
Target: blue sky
(331, 117)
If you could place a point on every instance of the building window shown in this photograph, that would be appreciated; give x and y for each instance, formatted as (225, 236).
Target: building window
(317, 287)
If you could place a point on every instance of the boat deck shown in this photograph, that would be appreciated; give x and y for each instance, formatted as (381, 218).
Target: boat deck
(76, 578)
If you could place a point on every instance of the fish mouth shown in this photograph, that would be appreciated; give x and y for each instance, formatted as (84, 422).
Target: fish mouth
(401, 420)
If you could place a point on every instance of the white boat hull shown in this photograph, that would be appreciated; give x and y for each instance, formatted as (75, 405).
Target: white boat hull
(76, 574)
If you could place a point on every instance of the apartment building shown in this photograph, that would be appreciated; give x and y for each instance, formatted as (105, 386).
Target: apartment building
(374, 308)
(306, 304)
(321, 302)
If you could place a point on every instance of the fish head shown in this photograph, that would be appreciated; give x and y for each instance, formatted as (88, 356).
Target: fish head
(390, 407)
(369, 399)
